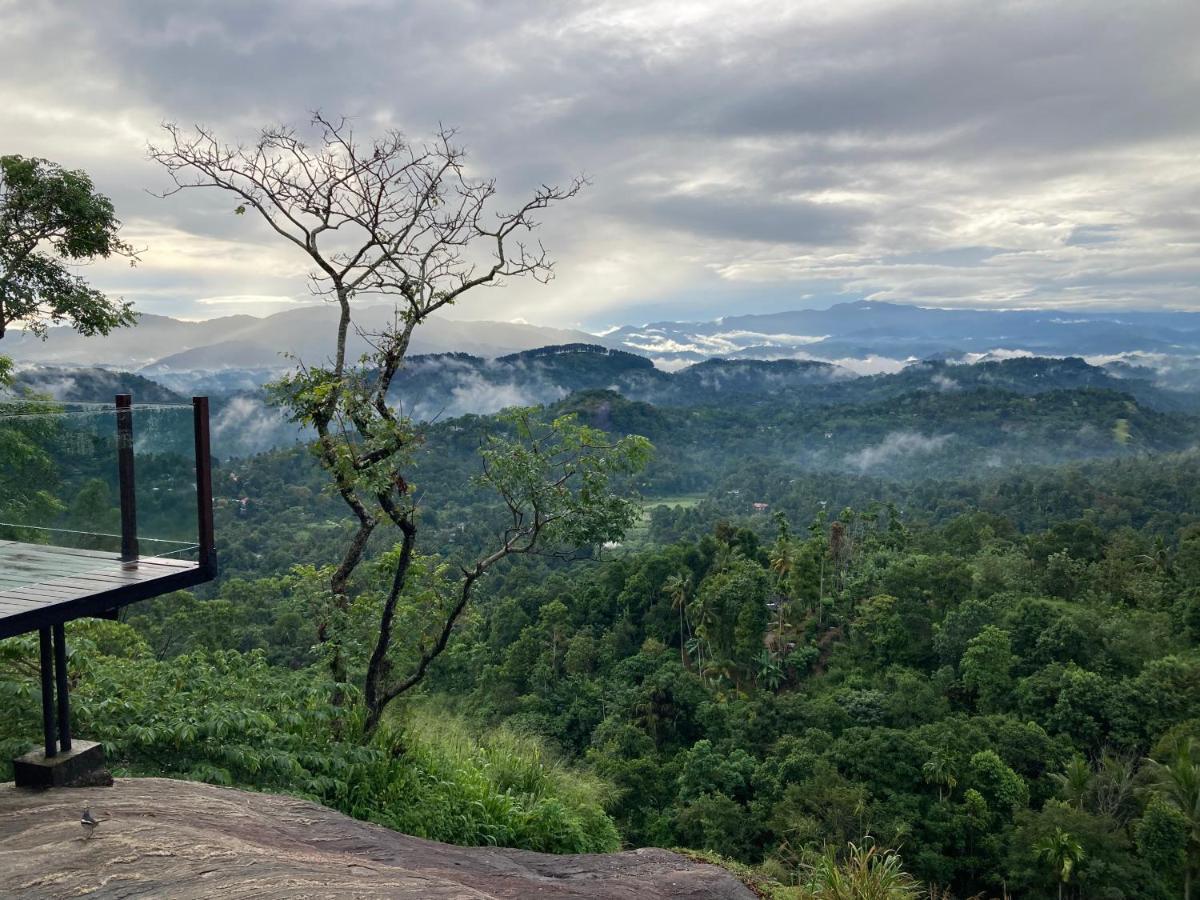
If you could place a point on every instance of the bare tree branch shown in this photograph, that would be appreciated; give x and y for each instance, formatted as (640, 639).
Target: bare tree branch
(380, 217)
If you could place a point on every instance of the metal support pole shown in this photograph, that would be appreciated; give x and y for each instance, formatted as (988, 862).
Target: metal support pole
(204, 501)
(47, 692)
(63, 689)
(125, 478)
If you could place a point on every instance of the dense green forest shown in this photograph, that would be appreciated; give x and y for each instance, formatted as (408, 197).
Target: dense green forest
(956, 627)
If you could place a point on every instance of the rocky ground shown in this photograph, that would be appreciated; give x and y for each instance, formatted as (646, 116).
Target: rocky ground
(178, 839)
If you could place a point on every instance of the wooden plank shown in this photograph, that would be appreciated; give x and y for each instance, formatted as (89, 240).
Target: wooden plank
(94, 554)
(41, 557)
(33, 574)
(65, 551)
(73, 586)
(60, 588)
(117, 576)
(8, 607)
(11, 580)
(168, 562)
(35, 566)
(26, 563)
(36, 591)
(67, 589)
(35, 600)
(41, 586)
(46, 550)
(33, 586)
(93, 582)
(27, 601)
(27, 552)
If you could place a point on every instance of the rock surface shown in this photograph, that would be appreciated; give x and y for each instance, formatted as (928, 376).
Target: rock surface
(164, 838)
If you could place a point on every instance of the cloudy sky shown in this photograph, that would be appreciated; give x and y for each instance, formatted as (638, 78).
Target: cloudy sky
(743, 156)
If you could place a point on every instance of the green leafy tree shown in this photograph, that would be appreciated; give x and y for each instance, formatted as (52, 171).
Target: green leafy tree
(51, 217)
(1162, 839)
(1177, 781)
(730, 613)
(987, 667)
(783, 559)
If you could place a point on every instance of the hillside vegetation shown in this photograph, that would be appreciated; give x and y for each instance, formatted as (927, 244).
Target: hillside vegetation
(948, 631)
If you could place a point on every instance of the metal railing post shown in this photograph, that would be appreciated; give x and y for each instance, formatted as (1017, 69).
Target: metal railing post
(47, 663)
(125, 478)
(63, 689)
(204, 499)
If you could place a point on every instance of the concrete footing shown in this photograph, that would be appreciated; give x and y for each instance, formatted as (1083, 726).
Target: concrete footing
(81, 766)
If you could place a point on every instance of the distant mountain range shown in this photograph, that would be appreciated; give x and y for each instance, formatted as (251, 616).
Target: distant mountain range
(897, 331)
(455, 384)
(239, 352)
(160, 345)
(445, 386)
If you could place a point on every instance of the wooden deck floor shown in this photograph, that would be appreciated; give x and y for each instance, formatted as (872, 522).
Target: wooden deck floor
(42, 585)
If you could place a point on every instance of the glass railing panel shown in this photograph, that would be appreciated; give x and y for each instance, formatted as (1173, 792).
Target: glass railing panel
(60, 485)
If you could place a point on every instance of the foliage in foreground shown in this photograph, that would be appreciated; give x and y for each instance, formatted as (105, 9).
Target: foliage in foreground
(859, 872)
(232, 719)
(867, 873)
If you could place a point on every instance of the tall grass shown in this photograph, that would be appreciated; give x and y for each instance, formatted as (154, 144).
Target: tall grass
(867, 873)
(496, 788)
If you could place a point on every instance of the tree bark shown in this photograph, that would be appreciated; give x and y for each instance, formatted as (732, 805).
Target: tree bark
(376, 669)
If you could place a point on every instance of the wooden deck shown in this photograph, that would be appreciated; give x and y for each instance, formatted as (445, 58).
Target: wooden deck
(42, 585)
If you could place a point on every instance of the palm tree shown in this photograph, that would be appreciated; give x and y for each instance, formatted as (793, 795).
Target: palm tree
(1178, 781)
(770, 672)
(677, 587)
(1159, 557)
(704, 617)
(653, 710)
(783, 563)
(939, 770)
(1061, 852)
(1075, 781)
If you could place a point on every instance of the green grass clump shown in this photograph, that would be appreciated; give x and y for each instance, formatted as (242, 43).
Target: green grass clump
(497, 788)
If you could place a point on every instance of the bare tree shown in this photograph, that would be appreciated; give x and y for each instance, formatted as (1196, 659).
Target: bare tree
(389, 217)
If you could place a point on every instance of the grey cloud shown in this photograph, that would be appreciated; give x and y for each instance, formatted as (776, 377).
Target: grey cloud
(860, 136)
(754, 218)
(897, 445)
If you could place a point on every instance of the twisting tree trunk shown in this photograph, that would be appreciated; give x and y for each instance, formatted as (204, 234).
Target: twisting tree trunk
(392, 218)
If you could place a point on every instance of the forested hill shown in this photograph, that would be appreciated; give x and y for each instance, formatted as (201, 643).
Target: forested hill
(935, 455)
(444, 386)
(465, 383)
(458, 383)
(950, 613)
(961, 670)
(453, 384)
(91, 385)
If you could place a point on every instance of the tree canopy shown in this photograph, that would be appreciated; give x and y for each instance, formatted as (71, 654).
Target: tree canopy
(51, 218)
